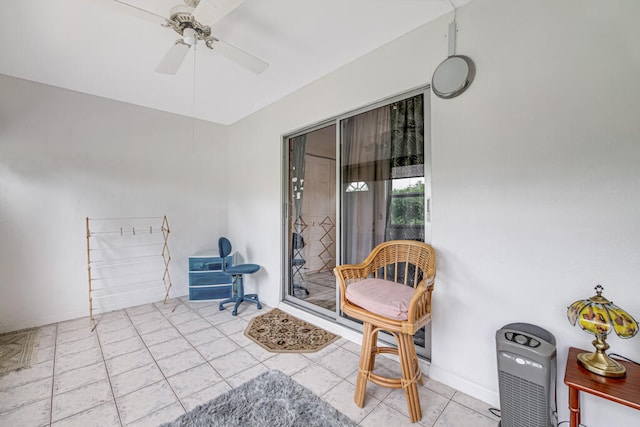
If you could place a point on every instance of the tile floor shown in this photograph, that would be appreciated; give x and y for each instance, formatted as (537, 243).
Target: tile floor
(149, 364)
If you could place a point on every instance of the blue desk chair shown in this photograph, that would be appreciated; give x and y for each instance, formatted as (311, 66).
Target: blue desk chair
(224, 249)
(297, 263)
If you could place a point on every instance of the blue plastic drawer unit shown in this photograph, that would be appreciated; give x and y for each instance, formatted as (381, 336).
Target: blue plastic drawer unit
(207, 281)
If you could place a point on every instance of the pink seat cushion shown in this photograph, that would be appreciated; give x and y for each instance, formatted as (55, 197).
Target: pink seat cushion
(383, 297)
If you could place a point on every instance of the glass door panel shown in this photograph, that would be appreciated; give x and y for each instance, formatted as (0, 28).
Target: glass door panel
(382, 180)
(311, 228)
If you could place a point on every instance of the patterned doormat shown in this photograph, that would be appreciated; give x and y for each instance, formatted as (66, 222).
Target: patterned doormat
(16, 349)
(279, 332)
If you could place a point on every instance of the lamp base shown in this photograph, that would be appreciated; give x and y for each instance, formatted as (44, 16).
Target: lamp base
(601, 364)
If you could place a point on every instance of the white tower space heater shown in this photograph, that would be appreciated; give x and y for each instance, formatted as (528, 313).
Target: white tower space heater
(526, 375)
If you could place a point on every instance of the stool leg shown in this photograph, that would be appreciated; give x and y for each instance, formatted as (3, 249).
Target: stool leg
(407, 356)
(365, 364)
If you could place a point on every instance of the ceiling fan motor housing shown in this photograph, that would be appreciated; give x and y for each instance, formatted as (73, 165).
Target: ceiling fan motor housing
(181, 20)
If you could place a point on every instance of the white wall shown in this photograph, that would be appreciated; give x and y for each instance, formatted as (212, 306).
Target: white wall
(65, 156)
(536, 188)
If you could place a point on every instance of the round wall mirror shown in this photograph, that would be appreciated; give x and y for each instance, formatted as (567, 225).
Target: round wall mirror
(453, 76)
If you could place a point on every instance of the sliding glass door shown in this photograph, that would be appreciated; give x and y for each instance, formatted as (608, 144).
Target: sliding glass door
(352, 183)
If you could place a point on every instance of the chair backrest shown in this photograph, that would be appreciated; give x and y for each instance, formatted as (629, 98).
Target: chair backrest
(402, 261)
(224, 249)
(298, 241)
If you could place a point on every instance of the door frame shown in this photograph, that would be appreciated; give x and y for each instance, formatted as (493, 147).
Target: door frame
(337, 316)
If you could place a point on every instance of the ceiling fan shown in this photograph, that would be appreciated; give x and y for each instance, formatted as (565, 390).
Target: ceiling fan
(190, 21)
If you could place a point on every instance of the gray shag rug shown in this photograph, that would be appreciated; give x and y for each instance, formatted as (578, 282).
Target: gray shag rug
(271, 399)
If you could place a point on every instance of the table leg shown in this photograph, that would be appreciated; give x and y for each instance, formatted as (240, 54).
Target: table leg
(574, 407)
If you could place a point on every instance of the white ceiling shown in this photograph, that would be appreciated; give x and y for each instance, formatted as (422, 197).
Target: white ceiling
(92, 47)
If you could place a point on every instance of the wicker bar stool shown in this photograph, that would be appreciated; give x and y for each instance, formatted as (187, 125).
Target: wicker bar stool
(390, 291)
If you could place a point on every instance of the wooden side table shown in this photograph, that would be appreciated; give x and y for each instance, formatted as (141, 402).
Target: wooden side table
(625, 391)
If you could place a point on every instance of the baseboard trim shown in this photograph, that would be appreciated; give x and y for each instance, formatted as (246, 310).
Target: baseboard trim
(472, 389)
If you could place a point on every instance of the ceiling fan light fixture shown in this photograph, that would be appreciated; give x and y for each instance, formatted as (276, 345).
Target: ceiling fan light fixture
(189, 36)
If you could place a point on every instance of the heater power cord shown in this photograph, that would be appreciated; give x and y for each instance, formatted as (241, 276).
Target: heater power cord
(624, 358)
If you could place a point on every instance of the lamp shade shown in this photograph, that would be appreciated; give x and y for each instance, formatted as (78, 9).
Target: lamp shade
(598, 316)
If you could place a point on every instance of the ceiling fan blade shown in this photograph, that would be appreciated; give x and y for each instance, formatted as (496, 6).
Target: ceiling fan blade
(209, 12)
(239, 56)
(172, 60)
(133, 10)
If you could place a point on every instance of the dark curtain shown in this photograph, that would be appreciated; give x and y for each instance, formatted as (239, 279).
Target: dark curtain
(407, 156)
(297, 174)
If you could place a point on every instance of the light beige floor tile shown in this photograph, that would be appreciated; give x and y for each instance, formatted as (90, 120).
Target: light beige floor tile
(195, 379)
(148, 327)
(44, 354)
(104, 415)
(431, 404)
(163, 335)
(232, 363)
(252, 311)
(108, 317)
(47, 339)
(180, 362)
(341, 398)
(206, 395)
(118, 348)
(15, 397)
(145, 401)
(241, 339)
(74, 335)
(317, 355)
(187, 316)
(246, 375)
(71, 347)
(34, 414)
(218, 317)
(317, 379)
(35, 372)
(386, 416)
(80, 377)
(80, 399)
(456, 415)
(352, 347)
(475, 404)
(204, 336)
(341, 362)
(217, 348)
(438, 387)
(164, 415)
(258, 352)
(152, 316)
(128, 361)
(140, 309)
(113, 324)
(193, 326)
(288, 363)
(135, 379)
(77, 360)
(169, 348)
(171, 307)
(205, 308)
(118, 335)
(230, 328)
(70, 325)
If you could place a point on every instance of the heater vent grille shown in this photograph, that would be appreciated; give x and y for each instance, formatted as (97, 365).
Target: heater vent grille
(524, 404)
